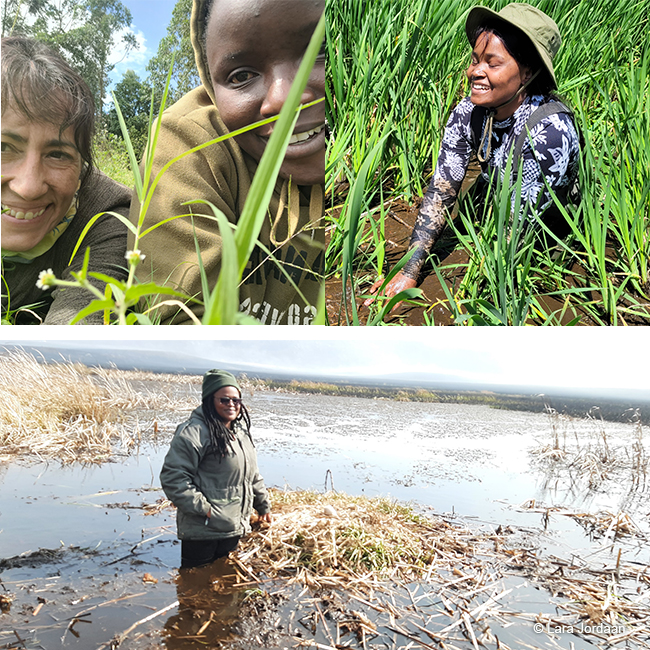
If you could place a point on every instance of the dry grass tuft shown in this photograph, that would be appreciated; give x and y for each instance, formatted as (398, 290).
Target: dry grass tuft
(53, 410)
(348, 552)
(71, 412)
(333, 539)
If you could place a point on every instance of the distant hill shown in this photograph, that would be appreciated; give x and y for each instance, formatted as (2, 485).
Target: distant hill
(184, 363)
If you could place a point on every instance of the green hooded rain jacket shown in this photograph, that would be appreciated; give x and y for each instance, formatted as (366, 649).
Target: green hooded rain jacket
(197, 481)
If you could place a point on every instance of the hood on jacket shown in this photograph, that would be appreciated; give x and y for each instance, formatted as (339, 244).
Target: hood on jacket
(197, 36)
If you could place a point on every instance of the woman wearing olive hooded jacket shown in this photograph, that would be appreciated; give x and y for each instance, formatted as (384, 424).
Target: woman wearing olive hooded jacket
(210, 474)
(247, 53)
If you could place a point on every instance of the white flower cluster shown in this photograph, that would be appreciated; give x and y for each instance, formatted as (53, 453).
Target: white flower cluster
(134, 257)
(45, 279)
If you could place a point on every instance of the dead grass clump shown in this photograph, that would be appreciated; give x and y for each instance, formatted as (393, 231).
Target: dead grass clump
(593, 457)
(329, 539)
(124, 389)
(72, 412)
(371, 553)
(607, 524)
(601, 524)
(52, 409)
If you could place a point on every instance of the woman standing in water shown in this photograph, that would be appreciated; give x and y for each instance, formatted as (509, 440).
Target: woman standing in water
(210, 474)
(511, 81)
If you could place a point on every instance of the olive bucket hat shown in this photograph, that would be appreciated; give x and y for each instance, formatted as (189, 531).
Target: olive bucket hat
(540, 28)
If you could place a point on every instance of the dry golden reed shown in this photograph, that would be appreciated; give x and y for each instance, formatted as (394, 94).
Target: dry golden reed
(71, 412)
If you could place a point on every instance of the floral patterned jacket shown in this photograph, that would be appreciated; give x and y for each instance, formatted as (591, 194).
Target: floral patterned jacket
(555, 157)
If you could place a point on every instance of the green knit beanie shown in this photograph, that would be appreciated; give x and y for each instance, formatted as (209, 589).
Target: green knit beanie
(213, 380)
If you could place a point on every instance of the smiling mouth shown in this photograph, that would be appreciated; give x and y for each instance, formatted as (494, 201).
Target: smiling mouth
(301, 137)
(476, 86)
(20, 214)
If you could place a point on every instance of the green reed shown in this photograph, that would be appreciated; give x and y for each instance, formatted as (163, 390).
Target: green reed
(396, 70)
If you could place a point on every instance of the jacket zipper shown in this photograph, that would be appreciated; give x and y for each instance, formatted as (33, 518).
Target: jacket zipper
(243, 485)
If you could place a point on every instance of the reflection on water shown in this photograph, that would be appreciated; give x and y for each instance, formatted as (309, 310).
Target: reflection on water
(462, 458)
(208, 605)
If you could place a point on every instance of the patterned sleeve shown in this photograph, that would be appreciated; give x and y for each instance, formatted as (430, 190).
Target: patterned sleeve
(440, 197)
(555, 157)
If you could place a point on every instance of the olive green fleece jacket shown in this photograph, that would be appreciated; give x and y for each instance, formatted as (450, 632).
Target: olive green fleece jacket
(221, 174)
(197, 481)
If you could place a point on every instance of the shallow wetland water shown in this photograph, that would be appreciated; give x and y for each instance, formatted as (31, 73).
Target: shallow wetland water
(110, 565)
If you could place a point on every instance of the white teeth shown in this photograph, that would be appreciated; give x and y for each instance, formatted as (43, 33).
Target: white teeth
(299, 137)
(19, 214)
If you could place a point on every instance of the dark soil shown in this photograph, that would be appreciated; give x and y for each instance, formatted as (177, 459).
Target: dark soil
(453, 260)
(399, 223)
(398, 228)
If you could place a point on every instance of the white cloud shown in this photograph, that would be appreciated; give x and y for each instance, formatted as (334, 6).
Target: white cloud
(133, 59)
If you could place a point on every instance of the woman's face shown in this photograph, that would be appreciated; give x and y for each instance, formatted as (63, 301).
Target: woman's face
(254, 49)
(227, 410)
(40, 175)
(495, 76)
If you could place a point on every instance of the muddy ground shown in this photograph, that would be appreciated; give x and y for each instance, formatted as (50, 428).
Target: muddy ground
(399, 224)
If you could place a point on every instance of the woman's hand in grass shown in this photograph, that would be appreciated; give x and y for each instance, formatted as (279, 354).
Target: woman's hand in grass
(399, 283)
(266, 518)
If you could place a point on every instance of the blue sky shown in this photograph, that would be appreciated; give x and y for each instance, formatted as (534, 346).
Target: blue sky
(150, 20)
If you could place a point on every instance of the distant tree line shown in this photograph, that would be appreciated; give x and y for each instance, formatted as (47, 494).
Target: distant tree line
(608, 409)
(85, 31)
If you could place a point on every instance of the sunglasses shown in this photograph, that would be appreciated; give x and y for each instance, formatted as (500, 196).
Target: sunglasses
(226, 400)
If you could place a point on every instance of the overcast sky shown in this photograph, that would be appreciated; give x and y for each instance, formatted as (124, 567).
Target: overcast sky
(617, 358)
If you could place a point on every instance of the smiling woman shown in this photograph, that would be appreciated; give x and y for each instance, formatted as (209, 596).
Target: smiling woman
(210, 474)
(248, 53)
(511, 80)
(50, 189)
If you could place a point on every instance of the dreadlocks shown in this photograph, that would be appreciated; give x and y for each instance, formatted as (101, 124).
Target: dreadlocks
(220, 436)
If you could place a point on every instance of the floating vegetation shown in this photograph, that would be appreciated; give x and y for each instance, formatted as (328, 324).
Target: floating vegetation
(306, 582)
(603, 524)
(372, 571)
(589, 454)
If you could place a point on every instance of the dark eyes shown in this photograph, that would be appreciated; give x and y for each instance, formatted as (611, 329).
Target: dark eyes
(56, 154)
(60, 155)
(240, 77)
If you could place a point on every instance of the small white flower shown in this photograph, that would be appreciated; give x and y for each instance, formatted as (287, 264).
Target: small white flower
(45, 279)
(134, 257)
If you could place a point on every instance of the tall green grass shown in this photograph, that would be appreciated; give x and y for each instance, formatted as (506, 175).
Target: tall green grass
(396, 70)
